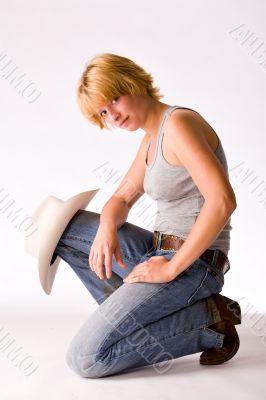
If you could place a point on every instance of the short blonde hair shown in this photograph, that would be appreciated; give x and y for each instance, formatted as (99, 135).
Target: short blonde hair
(107, 76)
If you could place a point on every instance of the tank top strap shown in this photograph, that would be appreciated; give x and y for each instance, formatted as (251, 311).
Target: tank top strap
(166, 114)
(160, 134)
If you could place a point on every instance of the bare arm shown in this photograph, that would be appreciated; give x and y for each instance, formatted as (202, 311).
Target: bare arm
(205, 169)
(114, 213)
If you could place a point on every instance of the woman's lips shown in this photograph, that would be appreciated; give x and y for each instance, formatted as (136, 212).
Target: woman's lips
(125, 121)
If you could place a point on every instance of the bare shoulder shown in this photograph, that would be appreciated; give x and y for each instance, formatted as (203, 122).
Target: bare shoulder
(197, 123)
(181, 114)
(190, 143)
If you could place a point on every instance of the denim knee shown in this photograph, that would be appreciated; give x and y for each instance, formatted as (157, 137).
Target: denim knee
(76, 361)
(85, 365)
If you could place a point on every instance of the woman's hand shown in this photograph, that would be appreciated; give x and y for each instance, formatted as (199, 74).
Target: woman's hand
(154, 270)
(105, 244)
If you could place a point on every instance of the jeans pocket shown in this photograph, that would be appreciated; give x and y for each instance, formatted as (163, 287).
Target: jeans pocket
(215, 273)
(199, 291)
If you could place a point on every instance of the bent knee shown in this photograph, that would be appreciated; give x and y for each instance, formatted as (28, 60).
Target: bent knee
(85, 365)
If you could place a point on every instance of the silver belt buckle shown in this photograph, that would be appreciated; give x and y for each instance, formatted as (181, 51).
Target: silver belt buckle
(158, 241)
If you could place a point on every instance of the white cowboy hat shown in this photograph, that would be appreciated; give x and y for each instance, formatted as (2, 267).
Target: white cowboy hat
(50, 220)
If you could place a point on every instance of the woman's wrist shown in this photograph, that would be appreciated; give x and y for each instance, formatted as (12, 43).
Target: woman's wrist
(173, 269)
(110, 225)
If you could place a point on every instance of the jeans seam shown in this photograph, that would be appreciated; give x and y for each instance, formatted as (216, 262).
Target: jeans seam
(216, 271)
(199, 286)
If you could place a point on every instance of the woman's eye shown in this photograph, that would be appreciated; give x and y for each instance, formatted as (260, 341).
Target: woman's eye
(114, 99)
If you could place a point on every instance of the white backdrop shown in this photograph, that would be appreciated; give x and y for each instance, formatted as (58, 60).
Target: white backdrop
(204, 55)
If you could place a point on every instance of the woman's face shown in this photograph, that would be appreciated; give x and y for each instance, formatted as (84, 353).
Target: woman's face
(123, 112)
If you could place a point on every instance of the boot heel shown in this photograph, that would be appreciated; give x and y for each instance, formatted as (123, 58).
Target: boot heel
(235, 311)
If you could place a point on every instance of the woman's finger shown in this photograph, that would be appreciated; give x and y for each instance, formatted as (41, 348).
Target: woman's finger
(108, 263)
(99, 265)
(91, 260)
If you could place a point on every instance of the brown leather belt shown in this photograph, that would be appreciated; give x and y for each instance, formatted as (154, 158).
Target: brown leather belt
(216, 258)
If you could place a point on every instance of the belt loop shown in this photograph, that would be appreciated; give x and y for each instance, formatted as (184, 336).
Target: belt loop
(227, 265)
(215, 256)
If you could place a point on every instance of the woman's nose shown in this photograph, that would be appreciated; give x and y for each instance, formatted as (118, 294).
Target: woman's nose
(115, 116)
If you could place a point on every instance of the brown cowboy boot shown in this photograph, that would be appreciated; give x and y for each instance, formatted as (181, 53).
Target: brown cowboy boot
(230, 313)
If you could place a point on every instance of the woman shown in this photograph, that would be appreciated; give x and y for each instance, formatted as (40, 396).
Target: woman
(160, 297)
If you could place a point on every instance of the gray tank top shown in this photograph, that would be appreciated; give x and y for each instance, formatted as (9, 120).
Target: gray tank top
(178, 198)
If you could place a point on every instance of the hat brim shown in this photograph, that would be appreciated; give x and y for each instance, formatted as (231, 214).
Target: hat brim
(53, 232)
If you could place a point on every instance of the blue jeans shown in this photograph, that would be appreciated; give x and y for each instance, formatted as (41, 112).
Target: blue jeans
(138, 324)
